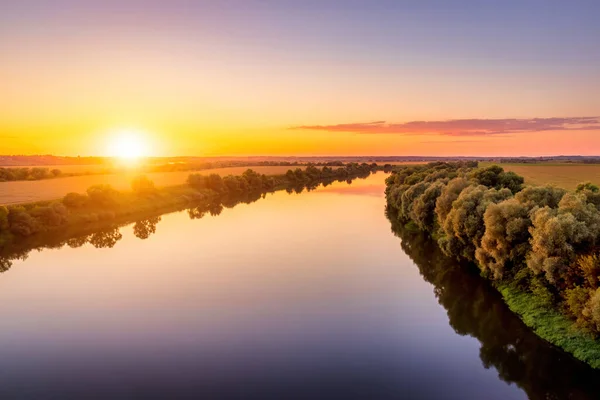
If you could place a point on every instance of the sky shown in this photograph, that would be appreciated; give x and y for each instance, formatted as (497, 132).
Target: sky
(249, 77)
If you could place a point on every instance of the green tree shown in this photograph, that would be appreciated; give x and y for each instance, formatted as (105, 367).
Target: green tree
(75, 200)
(21, 223)
(465, 220)
(103, 195)
(540, 196)
(409, 196)
(197, 181)
(558, 235)
(505, 242)
(592, 311)
(449, 194)
(215, 182)
(423, 210)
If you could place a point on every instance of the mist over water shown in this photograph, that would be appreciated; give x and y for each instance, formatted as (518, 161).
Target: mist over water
(311, 295)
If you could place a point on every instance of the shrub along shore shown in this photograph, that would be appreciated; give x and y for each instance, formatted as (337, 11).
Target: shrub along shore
(94, 217)
(12, 174)
(539, 245)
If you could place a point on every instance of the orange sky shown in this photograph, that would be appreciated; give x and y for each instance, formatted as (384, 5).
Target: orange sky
(212, 81)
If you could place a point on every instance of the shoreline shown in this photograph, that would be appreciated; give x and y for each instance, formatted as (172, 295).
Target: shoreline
(513, 235)
(551, 326)
(546, 323)
(105, 209)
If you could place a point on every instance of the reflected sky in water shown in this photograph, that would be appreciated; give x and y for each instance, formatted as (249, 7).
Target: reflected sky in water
(293, 296)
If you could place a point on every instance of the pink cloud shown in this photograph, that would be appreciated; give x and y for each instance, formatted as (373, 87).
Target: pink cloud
(463, 127)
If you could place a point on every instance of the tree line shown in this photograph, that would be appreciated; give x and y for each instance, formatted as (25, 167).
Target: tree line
(40, 173)
(542, 240)
(506, 344)
(102, 209)
(28, 174)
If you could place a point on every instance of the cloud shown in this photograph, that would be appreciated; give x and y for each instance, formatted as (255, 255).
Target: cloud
(453, 141)
(463, 127)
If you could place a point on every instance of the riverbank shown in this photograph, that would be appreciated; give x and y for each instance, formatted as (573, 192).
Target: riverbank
(538, 245)
(53, 223)
(547, 323)
(551, 325)
(112, 167)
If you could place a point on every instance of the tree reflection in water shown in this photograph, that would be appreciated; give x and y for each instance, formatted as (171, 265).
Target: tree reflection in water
(476, 309)
(108, 236)
(144, 228)
(473, 307)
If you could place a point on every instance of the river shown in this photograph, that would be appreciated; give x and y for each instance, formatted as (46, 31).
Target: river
(311, 295)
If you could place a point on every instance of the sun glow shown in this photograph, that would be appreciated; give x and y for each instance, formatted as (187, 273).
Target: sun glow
(128, 145)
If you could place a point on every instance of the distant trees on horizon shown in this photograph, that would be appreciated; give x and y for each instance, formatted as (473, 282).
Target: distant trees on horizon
(28, 174)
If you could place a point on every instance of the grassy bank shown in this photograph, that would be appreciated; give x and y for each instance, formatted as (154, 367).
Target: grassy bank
(551, 325)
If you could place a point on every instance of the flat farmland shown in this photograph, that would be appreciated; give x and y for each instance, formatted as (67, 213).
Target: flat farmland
(69, 169)
(402, 162)
(563, 175)
(50, 189)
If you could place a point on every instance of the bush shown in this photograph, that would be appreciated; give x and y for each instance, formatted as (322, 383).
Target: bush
(592, 310)
(268, 182)
(103, 195)
(511, 181)
(576, 299)
(30, 174)
(233, 185)
(75, 200)
(253, 179)
(539, 288)
(215, 182)
(197, 181)
(587, 186)
(39, 173)
(21, 223)
(495, 177)
(50, 216)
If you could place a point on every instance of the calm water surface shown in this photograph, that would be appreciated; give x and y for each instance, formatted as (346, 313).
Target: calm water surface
(306, 295)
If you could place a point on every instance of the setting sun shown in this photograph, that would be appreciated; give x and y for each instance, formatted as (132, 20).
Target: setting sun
(128, 145)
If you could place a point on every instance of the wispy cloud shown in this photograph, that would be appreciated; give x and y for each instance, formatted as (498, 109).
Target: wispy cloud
(453, 141)
(463, 127)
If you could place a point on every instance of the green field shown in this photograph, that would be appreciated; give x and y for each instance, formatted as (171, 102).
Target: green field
(563, 175)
